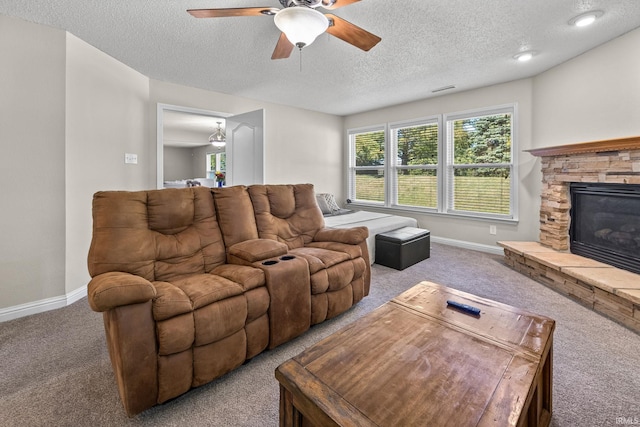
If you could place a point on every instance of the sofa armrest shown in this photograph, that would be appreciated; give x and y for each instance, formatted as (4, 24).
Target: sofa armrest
(351, 236)
(114, 289)
(254, 250)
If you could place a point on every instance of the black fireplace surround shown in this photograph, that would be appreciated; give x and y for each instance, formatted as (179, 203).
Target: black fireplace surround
(605, 223)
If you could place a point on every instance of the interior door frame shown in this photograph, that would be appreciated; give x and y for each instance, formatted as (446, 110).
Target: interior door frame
(160, 109)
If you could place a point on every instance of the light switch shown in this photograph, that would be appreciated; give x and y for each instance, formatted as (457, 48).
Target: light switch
(131, 158)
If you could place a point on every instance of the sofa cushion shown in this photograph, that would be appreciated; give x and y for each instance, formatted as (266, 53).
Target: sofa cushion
(156, 234)
(319, 258)
(205, 289)
(353, 251)
(176, 334)
(235, 214)
(247, 277)
(220, 320)
(286, 213)
(170, 301)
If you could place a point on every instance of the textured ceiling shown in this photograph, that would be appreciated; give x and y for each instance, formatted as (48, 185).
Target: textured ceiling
(426, 44)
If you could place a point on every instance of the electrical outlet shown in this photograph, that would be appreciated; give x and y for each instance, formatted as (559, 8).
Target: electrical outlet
(493, 230)
(131, 158)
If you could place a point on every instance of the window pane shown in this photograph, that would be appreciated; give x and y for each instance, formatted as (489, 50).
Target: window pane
(418, 187)
(369, 148)
(370, 185)
(417, 145)
(485, 139)
(485, 190)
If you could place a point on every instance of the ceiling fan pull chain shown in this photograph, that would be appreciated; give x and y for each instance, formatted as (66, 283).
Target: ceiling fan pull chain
(300, 50)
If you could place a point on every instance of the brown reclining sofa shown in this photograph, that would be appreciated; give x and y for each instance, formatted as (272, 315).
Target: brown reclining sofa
(193, 282)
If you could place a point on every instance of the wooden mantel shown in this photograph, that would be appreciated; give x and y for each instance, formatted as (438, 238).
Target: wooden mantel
(631, 143)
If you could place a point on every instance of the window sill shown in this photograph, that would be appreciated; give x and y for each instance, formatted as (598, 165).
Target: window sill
(408, 210)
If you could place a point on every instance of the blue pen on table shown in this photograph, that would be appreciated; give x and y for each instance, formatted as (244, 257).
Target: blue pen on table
(464, 307)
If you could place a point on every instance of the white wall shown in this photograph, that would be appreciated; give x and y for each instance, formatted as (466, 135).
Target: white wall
(594, 96)
(473, 230)
(32, 86)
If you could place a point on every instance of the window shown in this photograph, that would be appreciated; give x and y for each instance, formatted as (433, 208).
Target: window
(460, 164)
(415, 148)
(216, 162)
(479, 163)
(367, 159)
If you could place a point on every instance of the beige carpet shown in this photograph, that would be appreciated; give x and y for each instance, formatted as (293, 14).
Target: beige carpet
(55, 370)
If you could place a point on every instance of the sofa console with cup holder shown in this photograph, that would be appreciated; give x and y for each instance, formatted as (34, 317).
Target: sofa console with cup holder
(192, 282)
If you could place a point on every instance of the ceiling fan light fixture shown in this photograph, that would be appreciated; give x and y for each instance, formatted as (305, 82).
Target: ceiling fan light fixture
(301, 24)
(218, 138)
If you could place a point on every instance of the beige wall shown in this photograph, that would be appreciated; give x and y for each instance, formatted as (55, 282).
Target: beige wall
(473, 231)
(592, 97)
(106, 116)
(179, 164)
(32, 85)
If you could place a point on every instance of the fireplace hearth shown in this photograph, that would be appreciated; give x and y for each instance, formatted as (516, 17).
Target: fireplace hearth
(605, 223)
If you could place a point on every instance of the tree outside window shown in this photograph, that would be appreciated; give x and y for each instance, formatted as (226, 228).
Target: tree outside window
(461, 163)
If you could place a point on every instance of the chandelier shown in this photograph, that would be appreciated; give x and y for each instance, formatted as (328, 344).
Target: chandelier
(218, 138)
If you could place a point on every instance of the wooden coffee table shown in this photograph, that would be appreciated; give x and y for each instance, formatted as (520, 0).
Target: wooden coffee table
(415, 361)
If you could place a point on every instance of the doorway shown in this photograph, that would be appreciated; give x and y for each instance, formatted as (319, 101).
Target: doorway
(183, 148)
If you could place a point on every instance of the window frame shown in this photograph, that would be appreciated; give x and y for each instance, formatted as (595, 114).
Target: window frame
(351, 181)
(394, 167)
(443, 169)
(450, 167)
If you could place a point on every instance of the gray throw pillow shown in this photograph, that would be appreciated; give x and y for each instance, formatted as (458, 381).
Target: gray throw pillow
(322, 204)
(327, 203)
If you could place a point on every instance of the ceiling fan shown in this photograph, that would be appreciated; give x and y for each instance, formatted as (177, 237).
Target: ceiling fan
(301, 23)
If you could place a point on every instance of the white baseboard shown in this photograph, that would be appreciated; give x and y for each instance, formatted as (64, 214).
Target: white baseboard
(496, 250)
(41, 306)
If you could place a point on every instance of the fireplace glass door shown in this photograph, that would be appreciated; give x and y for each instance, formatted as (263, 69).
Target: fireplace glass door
(605, 223)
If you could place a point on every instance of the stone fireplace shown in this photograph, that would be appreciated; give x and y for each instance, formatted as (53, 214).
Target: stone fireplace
(612, 161)
(595, 283)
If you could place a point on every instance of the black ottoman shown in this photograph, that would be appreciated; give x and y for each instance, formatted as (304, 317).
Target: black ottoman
(403, 247)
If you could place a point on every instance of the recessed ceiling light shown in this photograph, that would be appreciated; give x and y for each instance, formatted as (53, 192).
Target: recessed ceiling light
(586, 18)
(525, 56)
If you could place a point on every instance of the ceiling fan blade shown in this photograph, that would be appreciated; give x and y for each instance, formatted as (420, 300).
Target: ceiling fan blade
(334, 4)
(239, 11)
(350, 33)
(283, 48)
